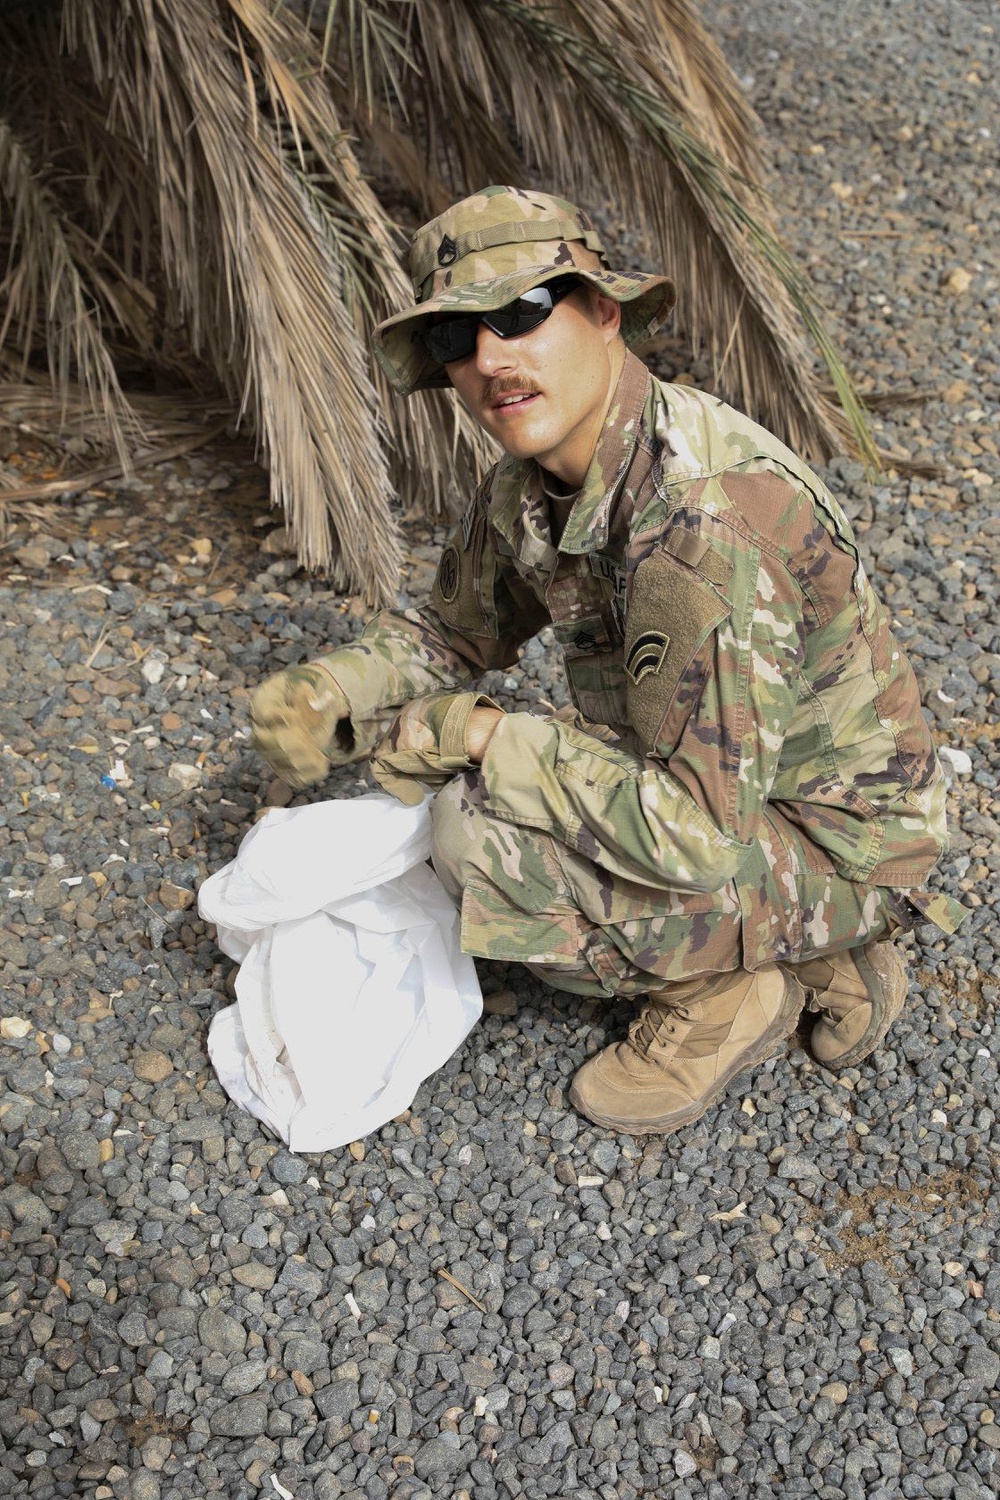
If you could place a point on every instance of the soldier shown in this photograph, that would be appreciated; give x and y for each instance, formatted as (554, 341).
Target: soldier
(737, 817)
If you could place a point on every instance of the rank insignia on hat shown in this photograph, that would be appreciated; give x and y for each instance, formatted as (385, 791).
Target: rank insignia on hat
(447, 251)
(646, 654)
(447, 578)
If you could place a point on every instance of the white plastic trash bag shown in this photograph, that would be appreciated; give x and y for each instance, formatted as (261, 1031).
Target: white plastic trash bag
(352, 986)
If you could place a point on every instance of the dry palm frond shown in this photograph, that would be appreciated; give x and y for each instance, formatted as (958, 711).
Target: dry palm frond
(47, 299)
(34, 409)
(424, 456)
(180, 194)
(48, 489)
(632, 100)
(117, 225)
(72, 431)
(253, 274)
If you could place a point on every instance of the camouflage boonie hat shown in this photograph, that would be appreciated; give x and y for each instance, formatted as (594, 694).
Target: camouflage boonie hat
(491, 248)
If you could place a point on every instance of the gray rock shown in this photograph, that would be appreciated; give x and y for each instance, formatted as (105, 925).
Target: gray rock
(218, 1330)
(25, 1208)
(371, 1290)
(244, 1417)
(161, 1366)
(655, 1429)
(307, 1355)
(81, 1149)
(288, 1169)
(243, 1378)
(236, 1212)
(298, 1276)
(792, 1166)
(144, 1484)
(768, 1275)
(132, 1329)
(338, 1399)
(982, 1366)
(437, 1458)
(90, 1429)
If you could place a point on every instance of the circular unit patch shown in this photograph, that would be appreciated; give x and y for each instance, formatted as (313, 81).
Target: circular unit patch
(448, 574)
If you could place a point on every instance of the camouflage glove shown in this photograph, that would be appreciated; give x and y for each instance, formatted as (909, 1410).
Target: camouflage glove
(302, 723)
(426, 745)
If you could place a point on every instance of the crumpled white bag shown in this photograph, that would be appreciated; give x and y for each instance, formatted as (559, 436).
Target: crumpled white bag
(352, 986)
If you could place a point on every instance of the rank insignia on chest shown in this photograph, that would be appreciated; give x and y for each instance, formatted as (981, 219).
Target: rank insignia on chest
(585, 639)
(646, 654)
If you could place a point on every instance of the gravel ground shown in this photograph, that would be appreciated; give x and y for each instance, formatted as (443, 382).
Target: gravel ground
(795, 1296)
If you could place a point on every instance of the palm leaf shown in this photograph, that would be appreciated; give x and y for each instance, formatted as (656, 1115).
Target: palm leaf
(631, 101)
(133, 229)
(48, 300)
(426, 455)
(255, 278)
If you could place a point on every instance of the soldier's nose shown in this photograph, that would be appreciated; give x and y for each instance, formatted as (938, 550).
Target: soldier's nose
(493, 354)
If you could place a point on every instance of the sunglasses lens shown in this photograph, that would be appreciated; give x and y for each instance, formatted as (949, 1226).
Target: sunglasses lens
(451, 339)
(523, 315)
(454, 337)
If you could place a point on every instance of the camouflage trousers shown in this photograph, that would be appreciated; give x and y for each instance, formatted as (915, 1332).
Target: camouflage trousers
(527, 897)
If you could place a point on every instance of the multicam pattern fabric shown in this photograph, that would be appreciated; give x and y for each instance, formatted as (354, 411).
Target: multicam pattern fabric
(426, 745)
(714, 613)
(526, 897)
(491, 248)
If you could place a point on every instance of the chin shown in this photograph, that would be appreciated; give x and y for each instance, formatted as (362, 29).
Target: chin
(524, 444)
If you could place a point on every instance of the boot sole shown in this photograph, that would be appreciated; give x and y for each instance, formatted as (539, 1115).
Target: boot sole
(887, 985)
(767, 1044)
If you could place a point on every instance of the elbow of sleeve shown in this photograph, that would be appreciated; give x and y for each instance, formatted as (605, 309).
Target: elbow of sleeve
(691, 847)
(701, 861)
(708, 874)
(720, 867)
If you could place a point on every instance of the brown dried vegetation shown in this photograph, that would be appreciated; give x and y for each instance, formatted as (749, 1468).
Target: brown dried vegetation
(205, 193)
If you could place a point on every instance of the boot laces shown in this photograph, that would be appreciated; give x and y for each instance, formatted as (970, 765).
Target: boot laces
(656, 1026)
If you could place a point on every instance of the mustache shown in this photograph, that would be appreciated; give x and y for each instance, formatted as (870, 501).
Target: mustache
(505, 385)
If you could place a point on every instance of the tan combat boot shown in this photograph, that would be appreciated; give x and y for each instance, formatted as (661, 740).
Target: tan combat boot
(857, 996)
(683, 1048)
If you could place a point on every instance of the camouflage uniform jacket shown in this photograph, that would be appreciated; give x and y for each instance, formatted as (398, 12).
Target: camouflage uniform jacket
(713, 611)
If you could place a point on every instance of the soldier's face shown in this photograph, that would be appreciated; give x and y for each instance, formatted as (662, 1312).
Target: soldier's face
(544, 394)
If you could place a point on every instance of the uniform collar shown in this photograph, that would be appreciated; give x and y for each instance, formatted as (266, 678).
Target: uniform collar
(519, 509)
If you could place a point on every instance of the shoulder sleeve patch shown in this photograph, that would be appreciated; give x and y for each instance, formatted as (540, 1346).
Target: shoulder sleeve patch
(671, 614)
(448, 574)
(646, 654)
(456, 594)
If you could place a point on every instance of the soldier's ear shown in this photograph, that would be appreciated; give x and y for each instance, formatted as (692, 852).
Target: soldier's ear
(608, 313)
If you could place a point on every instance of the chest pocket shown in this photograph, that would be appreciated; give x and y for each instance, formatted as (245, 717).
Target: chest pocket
(672, 613)
(594, 670)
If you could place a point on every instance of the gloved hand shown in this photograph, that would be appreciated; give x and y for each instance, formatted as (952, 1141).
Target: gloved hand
(302, 723)
(427, 745)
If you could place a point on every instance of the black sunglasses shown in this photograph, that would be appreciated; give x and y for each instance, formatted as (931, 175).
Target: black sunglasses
(454, 335)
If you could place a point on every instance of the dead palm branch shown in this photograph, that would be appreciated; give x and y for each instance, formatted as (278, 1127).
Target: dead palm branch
(209, 189)
(629, 102)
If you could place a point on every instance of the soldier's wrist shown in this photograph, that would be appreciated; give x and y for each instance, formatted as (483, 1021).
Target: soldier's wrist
(481, 728)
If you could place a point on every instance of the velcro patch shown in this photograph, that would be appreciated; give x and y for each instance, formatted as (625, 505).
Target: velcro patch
(647, 654)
